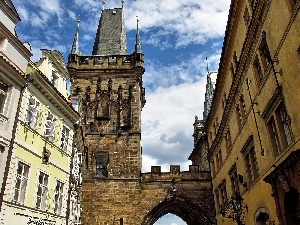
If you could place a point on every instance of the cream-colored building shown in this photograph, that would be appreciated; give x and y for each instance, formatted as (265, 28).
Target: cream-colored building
(14, 57)
(253, 125)
(43, 179)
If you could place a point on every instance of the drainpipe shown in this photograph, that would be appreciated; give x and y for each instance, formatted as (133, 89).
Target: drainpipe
(13, 136)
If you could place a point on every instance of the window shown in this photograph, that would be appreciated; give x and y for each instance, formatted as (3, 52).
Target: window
(64, 138)
(218, 160)
(279, 129)
(42, 191)
(232, 70)
(223, 192)
(217, 198)
(54, 79)
(50, 127)
(21, 183)
(241, 110)
(250, 160)
(32, 112)
(101, 165)
(228, 142)
(224, 99)
(58, 196)
(264, 51)
(3, 96)
(234, 180)
(212, 167)
(257, 70)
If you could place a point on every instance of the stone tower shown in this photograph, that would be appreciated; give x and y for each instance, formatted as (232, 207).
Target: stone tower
(107, 90)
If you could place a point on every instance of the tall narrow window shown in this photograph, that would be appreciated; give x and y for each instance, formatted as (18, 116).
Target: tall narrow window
(64, 138)
(279, 129)
(101, 165)
(217, 199)
(242, 107)
(257, 70)
(32, 112)
(266, 58)
(21, 183)
(274, 136)
(285, 124)
(239, 115)
(42, 191)
(3, 96)
(228, 142)
(50, 127)
(251, 164)
(223, 192)
(58, 196)
(233, 180)
(54, 79)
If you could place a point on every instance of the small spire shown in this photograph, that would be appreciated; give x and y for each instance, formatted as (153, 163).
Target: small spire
(138, 47)
(75, 42)
(103, 3)
(122, 3)
(207, 65)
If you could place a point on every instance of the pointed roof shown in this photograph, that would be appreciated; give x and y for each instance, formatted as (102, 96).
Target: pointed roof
(75, 42)
(209, 94)
(111, 33)
(138, 47)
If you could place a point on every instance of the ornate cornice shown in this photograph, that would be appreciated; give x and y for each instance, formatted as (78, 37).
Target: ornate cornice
(247, 53)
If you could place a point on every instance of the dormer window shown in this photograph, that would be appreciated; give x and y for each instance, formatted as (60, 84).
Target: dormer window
(54, 79)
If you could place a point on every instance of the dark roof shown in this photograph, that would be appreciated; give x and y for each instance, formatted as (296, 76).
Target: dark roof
(111, 33)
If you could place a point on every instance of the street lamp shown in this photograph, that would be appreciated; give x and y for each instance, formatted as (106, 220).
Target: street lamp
(233, 208)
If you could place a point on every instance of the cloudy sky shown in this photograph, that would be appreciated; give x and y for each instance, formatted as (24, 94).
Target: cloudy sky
(176, 36)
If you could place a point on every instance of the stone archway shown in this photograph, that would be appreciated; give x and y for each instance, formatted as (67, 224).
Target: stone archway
(187, 211)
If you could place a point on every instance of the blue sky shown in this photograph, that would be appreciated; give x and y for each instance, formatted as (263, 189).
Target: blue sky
(176, 38)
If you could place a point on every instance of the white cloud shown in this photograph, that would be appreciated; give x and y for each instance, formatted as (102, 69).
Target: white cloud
(167, 120)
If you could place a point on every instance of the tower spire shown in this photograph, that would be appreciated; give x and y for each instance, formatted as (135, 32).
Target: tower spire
(138, 47)
(75, 42)
(103, 3)
(111, 33)
(122, 3)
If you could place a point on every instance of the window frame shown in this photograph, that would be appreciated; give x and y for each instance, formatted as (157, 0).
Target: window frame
(252, 168)
(49, 132)
(41, 199)
(58, 197)
(32, 112)
(4, 92)
(65, 136)
(21, 190)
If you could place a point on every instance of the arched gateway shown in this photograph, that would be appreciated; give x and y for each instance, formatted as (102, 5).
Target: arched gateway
(108, 90)
(187, 211)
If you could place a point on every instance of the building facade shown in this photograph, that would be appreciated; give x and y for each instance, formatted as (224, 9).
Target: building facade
(43, 178)
(14, 57)
(252, 128)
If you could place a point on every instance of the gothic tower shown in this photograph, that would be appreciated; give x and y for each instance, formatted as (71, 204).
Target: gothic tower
(107, 89)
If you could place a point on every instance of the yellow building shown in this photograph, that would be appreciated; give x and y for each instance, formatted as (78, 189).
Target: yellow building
(40, 188)
(253, 126)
